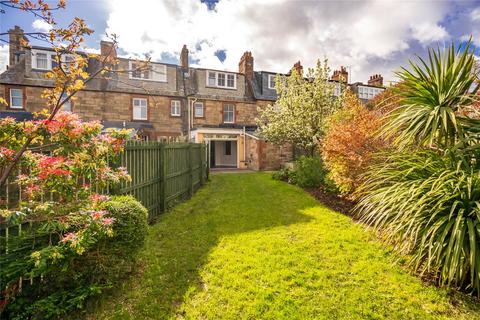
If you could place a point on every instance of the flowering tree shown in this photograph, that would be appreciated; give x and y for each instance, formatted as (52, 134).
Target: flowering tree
(353, 138)
(303, 105)
(68, 77)
(58, 179)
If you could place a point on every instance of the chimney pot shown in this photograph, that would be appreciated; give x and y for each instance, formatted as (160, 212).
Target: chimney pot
(184, 57)
(16, 37)
(107, 48)
(376, 80)
(340, 75)
(245, 66)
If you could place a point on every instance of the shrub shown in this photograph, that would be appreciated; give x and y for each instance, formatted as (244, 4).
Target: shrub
(425, 198)
(87, 275)
(309, 172)
(59, 211)
(351, 142)
(284, 174)
(428, 206)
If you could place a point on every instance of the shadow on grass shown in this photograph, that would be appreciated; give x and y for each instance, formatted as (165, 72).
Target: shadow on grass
(178, 245)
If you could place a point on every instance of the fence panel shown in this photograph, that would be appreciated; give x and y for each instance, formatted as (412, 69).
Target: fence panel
(163, 174)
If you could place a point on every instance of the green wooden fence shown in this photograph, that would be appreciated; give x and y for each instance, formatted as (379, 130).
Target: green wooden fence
(163, 174)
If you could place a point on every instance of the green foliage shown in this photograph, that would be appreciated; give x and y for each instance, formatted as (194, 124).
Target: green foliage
(79, 278)
(425, 198)
(310, 172)
(247, 246)
(433, 94)
(284, 174)
(428, 206)
(299, 114)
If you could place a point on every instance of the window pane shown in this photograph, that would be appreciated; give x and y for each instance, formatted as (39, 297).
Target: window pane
(140, 109)
(221, 80)
(228, 113)
(211, 79)
(231, 81)
(42, 62)
(198, 110)
(175, 108)
(228, 148)
(16, 98)
(271, 82)
(67, 106)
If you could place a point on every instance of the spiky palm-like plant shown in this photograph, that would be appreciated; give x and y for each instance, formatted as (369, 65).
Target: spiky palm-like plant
(425, 198)
(428, 205)
(433, 93)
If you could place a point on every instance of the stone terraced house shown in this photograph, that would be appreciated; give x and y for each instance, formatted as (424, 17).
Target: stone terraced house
(209, 106)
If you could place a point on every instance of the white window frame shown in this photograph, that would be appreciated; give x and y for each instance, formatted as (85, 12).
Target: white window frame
(271, 81)
(151, 71)
(133, 108)
(12, 106)
(50, 58)
(195, 109)
(174, 105)
(233, 112)
(226, 74)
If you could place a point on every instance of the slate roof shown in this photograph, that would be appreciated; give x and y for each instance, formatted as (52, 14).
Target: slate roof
(260, 86)
(17, 115)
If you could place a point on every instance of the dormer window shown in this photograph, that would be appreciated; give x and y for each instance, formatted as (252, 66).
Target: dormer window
(150, 72)
(271, 81)
(42, 61)
(221, 80)
(46, 60)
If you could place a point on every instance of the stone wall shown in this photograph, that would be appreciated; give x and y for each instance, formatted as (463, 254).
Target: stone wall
(262, 155)
(245, 113)
(111, 106)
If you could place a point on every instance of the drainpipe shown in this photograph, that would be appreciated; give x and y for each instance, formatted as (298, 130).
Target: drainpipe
(190, 115)
(244, 147)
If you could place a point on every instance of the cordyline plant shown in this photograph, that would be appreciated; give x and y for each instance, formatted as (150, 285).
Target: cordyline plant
(425, 198)
(58, 179)
(301, 110)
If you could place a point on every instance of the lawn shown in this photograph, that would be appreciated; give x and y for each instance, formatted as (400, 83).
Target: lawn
(248, 247)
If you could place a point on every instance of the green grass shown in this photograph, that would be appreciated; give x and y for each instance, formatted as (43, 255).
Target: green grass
(248, 247)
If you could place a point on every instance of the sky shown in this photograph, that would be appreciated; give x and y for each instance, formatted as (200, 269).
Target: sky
(368, 37)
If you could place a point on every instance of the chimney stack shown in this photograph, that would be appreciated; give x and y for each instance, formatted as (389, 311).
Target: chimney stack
(297, 66)
(340, 75)
(107, 48)
(16, 43)
(246, 65)
(184, 57)
(376, 80)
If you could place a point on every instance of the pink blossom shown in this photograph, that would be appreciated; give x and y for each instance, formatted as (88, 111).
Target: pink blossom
(107, 221)
(99, 197)
(97, 215)
(69, 237)
(6, 153)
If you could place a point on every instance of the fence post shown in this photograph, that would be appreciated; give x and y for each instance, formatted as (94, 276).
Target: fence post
(202, 164)
(190, 169)
(163, 175)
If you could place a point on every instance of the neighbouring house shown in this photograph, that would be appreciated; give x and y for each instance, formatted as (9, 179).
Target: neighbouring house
(209, 106)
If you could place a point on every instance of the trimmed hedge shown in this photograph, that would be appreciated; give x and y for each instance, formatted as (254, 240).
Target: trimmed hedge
(87, 275)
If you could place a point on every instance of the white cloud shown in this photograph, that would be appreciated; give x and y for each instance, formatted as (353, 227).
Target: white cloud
(369, 35)
(426, 32)
(41, 25)
(3, 57)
